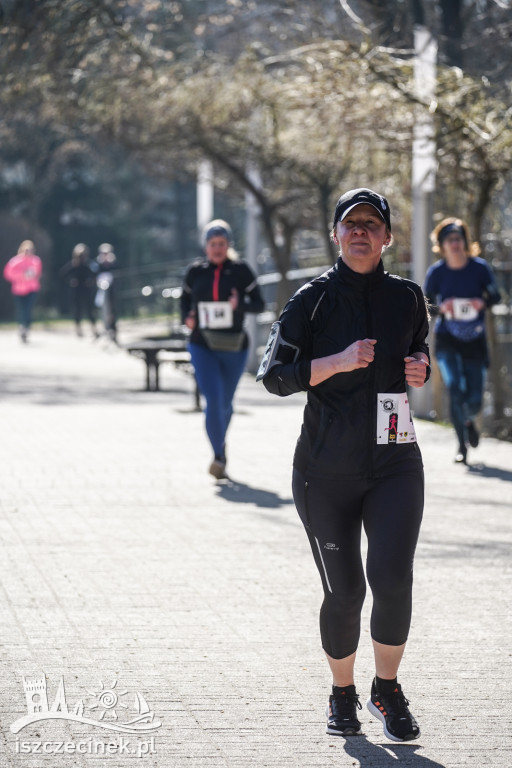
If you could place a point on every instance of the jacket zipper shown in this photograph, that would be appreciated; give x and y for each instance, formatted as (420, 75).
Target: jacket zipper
(372, 398)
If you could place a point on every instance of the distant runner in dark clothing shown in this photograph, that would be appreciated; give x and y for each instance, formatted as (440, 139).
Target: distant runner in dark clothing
(217, 293)
(80, 274)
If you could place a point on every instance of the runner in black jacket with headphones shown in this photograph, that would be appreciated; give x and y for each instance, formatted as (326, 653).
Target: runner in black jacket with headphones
(352, 339)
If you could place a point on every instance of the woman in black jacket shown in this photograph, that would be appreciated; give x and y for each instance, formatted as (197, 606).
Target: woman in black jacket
(217, 292)
(353, 338)
(80, 274)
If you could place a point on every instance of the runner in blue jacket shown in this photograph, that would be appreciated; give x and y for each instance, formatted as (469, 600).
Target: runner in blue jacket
(460, 287)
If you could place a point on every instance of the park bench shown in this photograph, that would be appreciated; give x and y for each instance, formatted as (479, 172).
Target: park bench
(155, 350)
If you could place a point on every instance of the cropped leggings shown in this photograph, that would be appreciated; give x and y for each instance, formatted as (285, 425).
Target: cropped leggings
(333, 512)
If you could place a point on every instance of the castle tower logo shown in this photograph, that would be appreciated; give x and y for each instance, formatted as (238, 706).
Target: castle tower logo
(35, 693)
(107, 704)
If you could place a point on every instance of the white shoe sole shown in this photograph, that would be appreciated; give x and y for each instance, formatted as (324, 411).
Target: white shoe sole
(335, 732)
(378, 714)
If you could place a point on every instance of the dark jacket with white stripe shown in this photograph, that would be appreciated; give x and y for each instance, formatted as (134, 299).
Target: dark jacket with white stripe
(324, 317)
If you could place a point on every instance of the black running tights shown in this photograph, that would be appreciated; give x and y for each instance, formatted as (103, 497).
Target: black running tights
(333, 512)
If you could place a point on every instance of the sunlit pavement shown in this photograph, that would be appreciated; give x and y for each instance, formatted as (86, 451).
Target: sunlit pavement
(190, 608)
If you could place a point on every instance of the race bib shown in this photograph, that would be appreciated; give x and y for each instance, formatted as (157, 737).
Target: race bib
(215, 314)
(464, 310)
(394, 421)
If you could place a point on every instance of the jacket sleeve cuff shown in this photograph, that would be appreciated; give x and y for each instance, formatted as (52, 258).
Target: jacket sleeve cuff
(303, 374)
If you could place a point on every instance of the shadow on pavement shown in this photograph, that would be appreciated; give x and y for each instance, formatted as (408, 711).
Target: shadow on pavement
(384, 756)
(231, 490)
(483, 471)
(49, 390)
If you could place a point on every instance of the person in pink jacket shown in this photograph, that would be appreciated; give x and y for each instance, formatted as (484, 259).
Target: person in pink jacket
(23, 271)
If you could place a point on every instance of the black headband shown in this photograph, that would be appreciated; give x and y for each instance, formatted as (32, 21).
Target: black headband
(448, 229)
(217, 231)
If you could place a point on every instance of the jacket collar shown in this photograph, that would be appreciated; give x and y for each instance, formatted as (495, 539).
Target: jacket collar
(348, 276)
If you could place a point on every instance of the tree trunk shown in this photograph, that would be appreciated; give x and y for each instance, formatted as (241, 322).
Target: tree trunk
(452, 24)
(418, 13)
(484, 192)
(498, 385)
(330, 251)
(280, 250)
(497, 377)
(283, 260)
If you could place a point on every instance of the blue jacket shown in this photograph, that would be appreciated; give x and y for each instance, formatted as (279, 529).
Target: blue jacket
(474, 281)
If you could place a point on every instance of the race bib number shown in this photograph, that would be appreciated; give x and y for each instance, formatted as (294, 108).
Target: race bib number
(464, 310)
(394, 421)
(215, 314)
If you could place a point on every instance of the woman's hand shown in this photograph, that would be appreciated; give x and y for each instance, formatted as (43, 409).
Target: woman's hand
(446, 308)
(415, 371)
(233, 299)
(190, 320)
(478, 304)
(358, 355)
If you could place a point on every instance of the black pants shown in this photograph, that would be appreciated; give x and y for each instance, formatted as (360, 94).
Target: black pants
(82, 301)
(333, 512)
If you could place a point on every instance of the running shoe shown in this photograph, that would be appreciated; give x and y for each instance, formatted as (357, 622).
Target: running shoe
(218, 469)
(393, 712)
(342, 712)
(473, 436)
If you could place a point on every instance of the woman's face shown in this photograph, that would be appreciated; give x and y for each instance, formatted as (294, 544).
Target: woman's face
(216, 249)
(454, 246)
(362, 235)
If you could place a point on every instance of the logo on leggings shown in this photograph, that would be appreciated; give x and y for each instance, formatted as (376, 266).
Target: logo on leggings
(331, 547)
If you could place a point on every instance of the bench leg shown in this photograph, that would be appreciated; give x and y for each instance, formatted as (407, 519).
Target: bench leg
(197, 395)
(152, 379)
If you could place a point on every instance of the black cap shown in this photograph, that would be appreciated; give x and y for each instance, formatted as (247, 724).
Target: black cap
(360, 197)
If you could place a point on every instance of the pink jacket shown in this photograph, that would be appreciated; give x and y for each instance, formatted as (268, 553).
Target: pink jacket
(23, 271)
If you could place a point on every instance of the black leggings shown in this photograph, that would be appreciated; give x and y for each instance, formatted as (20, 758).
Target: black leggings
(333, 511)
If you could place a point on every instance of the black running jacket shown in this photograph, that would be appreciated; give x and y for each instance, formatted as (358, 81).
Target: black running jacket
(325, 316)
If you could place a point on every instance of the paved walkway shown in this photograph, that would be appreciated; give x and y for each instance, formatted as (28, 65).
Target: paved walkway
(127, 572)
